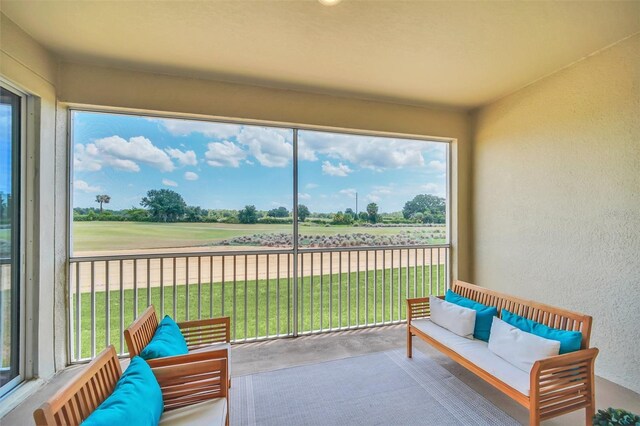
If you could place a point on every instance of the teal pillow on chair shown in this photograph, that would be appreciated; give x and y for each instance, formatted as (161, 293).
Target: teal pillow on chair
(570, 341)
(136, 399)
(484, 314)
(167, 341)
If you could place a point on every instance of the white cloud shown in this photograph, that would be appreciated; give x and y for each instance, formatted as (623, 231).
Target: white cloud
(168, 182)
(306, 152)
(224, 154)
(272, 147)
(436, 165)
(269, 146)
(81, 185)
(207, 128)
(304, 196)
(365, 151)
(84, 158)
(382, 190)
(191, 176)
(121, 154)
(138, 149)
(348, 192)
(185, 158)
(338, 170)
(311, 185)
(433, 189)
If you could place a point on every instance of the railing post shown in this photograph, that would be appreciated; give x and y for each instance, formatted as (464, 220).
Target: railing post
(295, 233)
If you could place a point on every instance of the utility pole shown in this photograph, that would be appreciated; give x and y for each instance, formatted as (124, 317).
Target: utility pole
(356, 204)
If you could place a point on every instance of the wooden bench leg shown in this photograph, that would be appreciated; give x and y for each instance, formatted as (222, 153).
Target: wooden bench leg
(590, 411)
(534, 408)
(534, 417)
(409, 343)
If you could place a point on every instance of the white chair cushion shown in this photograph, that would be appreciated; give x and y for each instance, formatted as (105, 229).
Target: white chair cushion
(518, 347)
(478, 353)
(209, 413)
(215, 347)
(455, 318)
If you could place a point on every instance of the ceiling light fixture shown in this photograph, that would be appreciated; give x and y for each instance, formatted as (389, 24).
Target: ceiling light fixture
(329, 2)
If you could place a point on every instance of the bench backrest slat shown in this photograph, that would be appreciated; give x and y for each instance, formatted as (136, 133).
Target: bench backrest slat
(141, 331)
(549, 315)
(73, 404)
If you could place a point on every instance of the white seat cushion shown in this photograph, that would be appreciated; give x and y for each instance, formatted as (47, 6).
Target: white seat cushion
(215, 347)
(478, 353)
(210, 413)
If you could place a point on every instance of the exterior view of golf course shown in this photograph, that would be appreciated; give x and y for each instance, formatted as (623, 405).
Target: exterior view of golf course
(286, 231)
(350, 274)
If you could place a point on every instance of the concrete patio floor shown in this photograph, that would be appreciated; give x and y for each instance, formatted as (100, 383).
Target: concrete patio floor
(257, 357)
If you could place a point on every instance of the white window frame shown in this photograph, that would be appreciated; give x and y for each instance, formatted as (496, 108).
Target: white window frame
(22, 267)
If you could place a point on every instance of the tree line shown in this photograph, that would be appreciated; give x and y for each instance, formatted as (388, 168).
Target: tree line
(165, 205)
(6, 206)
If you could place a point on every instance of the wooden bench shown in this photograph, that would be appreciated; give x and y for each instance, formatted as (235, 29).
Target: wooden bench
(558, 385)
(195, 385)
(206, 334)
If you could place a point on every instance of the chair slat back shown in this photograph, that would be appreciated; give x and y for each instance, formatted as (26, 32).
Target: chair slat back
(206, 332)
(549, 315)
(197, 380)
(75, 402)
(139, 333)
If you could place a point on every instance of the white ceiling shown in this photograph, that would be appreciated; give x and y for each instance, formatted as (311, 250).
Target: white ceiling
(460, 54)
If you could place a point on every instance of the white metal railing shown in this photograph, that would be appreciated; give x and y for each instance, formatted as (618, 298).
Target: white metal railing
(267, 294)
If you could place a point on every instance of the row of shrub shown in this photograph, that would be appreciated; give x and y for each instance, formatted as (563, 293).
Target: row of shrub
(338, 240)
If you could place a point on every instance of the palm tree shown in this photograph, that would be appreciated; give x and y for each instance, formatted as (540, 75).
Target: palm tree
(103, 199)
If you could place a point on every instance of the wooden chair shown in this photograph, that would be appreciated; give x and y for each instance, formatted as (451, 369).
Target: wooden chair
(184, 384)
(212, 335)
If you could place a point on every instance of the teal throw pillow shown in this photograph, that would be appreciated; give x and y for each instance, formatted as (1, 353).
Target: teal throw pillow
(167, 341)
(136, 399)
(484, 314)
(570, 341)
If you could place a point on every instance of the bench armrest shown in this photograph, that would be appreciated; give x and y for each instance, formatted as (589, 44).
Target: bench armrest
(192, 378)
(417, 308)
(563, 383)
(204, 332)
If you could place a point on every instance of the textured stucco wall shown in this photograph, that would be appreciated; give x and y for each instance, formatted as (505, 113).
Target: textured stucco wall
(556, 199)
(28, 66)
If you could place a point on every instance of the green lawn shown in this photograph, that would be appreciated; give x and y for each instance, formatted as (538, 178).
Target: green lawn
(5, 242)
(93, 236)
(109, 236)
(351, 304)
(5, 317)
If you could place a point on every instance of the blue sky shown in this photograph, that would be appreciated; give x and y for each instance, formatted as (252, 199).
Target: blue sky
(5, 149)
(217, 165)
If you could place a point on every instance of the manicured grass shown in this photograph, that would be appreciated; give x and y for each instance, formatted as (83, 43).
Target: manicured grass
(110, 236)
(337, 300)
(5, 242)
(5, 317)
